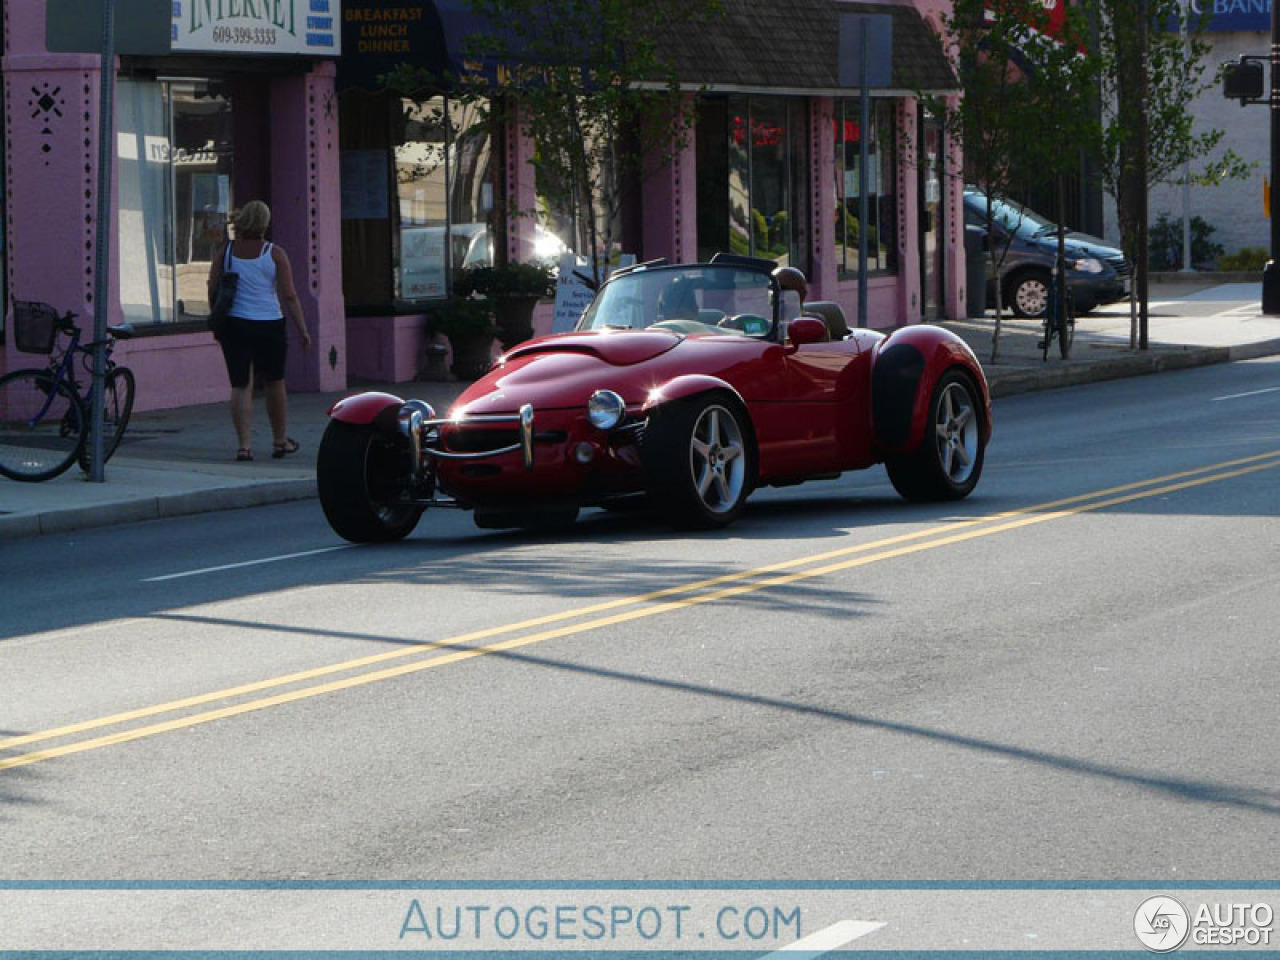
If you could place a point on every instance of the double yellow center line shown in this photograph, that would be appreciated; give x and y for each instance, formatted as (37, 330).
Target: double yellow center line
(468, 646)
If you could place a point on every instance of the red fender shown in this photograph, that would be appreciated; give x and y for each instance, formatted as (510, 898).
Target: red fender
(912, 359)
(363, 407)
(688, 385)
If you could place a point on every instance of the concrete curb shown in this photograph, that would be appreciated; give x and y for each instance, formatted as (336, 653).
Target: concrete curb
(153, 508)
(1007, 383)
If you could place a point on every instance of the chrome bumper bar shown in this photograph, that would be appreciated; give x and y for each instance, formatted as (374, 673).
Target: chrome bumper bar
(415, 427)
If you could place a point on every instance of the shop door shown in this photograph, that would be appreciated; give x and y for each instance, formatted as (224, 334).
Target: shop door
(932, 228)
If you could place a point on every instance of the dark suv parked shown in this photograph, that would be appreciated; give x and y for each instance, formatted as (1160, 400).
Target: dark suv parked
(1096, 273)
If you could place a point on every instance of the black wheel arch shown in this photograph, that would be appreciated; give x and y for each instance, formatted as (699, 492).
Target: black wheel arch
(734, 400)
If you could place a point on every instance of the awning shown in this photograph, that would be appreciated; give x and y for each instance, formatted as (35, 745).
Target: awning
(380, 35)
(753, 46)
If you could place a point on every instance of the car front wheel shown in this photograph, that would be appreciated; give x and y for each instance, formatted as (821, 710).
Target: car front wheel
(359, 474)
(699, 461)
(1028, 294)
(949, 461)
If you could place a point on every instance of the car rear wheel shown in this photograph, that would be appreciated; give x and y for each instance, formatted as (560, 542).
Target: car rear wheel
(699, 461)
(1028, 294)
(359, 474)
(949, 461)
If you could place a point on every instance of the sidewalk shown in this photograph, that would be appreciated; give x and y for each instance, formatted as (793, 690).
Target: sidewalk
(175, 462)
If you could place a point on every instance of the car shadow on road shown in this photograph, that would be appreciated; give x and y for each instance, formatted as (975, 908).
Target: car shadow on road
(1251, 799)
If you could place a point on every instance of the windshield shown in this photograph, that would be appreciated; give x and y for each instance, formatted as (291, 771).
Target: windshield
(703, 299)
(1014, 218)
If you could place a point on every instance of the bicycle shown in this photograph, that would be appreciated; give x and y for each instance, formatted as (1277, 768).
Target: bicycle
(44, 415)
(1066, 332)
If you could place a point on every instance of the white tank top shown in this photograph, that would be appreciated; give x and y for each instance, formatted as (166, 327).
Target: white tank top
(256, 292)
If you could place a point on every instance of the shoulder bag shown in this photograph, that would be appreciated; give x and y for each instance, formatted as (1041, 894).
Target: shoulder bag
(220, 309)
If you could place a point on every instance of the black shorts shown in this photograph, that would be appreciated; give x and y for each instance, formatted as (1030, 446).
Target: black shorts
(253, 346)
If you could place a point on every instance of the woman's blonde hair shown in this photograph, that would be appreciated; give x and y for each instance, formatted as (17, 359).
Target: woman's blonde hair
(253, 219)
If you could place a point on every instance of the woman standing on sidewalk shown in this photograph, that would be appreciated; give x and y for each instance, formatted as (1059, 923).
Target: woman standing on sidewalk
(253, 339)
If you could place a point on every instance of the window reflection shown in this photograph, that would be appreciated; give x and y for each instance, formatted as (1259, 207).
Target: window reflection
(882, 178)
(444, 194)
(174, 194)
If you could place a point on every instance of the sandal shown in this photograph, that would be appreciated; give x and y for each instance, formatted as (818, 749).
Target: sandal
(285, 447)
(244, 453)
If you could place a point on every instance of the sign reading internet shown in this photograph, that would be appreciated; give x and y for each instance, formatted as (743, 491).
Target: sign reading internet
(298, 27)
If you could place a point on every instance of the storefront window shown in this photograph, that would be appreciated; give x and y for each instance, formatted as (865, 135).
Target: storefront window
(766, 147)
(418, 196)
(444, 188)
(567, 211)
(882, 178)
(175, 194)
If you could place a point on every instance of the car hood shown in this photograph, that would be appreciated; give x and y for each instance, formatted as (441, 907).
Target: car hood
(563, 370)
(1080, 244)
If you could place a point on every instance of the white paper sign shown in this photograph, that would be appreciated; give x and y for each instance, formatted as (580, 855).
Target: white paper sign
(573, 293)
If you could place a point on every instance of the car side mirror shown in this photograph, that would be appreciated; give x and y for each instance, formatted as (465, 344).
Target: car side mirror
(804, 330)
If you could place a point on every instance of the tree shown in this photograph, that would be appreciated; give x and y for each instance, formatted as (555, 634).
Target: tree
(1026, 112)
(588, 81)
(1152, 56)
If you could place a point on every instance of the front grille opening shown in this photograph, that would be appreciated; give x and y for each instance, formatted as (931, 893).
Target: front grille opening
(483, 439)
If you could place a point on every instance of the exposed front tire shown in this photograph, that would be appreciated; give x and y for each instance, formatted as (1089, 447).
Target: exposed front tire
(360, 473)
(949, 461)
(1028, 294)
(699, 461)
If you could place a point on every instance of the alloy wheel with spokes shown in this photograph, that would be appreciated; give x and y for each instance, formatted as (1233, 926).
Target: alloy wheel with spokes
(700, 461)
(956, 427)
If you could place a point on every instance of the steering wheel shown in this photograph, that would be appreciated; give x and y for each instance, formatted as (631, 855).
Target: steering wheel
(752, 324)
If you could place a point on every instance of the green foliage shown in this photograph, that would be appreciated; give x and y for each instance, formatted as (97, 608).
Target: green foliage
(509, 279)
(1157, 100)
(463, 318)
(1027, 97)
(1164, 244)
(1245, 259)
(772, 239)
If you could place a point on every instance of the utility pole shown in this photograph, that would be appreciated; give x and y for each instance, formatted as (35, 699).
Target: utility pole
(102, 262)
(1143, 134)
(1271, 275)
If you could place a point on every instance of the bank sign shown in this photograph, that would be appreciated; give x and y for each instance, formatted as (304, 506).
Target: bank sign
(1252, 16)
(299, 27)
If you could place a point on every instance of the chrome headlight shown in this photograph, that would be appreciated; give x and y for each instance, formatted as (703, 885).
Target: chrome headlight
(1086, 265)
(605, 409)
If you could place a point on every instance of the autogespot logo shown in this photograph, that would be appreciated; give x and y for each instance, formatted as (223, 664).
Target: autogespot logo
(1162, 924)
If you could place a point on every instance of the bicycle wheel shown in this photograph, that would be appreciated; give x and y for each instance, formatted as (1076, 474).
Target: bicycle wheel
(41, 425)
(117, 404)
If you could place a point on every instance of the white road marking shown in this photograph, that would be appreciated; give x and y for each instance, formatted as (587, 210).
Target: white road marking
(246, 563)
(825, 940)
(1251, 393)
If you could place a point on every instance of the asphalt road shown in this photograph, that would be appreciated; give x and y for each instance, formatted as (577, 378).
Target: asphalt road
(1071, 675)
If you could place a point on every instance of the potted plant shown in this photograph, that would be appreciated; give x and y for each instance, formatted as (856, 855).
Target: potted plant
(468, 323)
(515, 289)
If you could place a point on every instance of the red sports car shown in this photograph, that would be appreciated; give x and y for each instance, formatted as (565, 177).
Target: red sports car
(686, 385)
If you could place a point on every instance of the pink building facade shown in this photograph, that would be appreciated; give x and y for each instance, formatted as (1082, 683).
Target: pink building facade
(174, 184)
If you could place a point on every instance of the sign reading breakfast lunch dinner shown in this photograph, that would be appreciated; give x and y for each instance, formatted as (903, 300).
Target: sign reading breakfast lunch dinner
(298, 27)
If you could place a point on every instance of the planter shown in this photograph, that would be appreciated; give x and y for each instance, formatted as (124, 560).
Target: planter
(513, 316)
(472, 354)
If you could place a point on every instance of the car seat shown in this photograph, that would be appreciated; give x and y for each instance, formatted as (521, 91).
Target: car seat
(831, 314)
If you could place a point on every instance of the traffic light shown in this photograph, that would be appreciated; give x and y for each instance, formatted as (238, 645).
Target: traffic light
(1242, 80)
